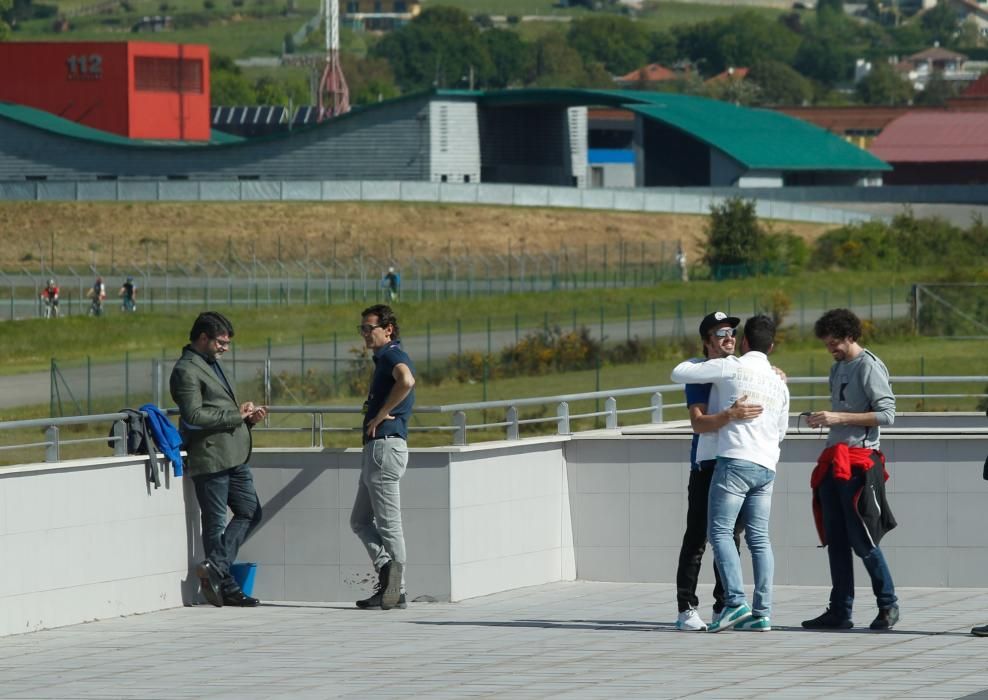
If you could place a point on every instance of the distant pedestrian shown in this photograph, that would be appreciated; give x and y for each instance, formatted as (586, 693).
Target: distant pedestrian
(49, 297)
(849, 503)
(97, 295)
(128, 295)
(684, 273)
(376, 515)
(391, 282)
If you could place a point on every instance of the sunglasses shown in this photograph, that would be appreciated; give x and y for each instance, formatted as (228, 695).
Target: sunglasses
(366, 328)
(725, 332)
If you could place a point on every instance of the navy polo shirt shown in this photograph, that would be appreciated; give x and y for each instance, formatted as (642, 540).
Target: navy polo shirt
(696, 393)
(385, 360)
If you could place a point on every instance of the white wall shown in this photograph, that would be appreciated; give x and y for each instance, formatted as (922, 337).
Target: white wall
(88, 539)
(454, 142)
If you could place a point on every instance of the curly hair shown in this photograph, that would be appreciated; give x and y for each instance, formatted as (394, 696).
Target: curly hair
(838, 323)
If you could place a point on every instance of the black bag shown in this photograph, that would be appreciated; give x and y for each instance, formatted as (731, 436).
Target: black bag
(139, 442)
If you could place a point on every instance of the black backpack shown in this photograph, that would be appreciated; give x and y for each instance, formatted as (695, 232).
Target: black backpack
(139, 442)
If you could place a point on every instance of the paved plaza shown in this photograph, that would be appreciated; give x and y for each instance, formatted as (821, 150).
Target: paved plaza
(582, 639)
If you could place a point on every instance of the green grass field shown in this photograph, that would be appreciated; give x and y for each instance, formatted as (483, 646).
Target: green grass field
(108, 338)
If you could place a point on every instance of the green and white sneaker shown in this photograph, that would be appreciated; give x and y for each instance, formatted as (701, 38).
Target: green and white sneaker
(755, 624)
(730, 617)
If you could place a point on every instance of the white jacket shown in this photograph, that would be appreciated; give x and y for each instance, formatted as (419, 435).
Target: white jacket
(750, 375)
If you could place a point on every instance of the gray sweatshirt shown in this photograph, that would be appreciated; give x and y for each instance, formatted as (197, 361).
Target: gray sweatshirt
(861, 385)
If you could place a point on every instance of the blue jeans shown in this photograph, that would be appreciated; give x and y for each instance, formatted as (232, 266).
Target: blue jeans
(845, 533)
(221, 540)
(742, 488)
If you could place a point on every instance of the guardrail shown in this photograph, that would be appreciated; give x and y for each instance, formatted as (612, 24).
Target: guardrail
(459, 426)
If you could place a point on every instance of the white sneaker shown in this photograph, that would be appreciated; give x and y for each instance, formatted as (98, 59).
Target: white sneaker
(690, 621)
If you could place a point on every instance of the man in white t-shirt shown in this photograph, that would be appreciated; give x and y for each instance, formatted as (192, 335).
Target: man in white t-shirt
(747, 454)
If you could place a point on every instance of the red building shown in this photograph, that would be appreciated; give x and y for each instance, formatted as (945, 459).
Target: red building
(137, 89)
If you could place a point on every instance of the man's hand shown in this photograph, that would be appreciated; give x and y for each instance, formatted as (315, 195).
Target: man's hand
(376, 421)
(822, 419)
(257, 415)
(741, 410)
(778, 371)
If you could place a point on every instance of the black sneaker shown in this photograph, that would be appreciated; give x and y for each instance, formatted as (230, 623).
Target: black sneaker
(981, 631)
(887, 617)
(828, 621)
(239, 599)
(374, 601)
(391, 593)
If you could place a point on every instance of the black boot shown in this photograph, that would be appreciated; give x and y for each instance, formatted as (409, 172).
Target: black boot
(374, 601)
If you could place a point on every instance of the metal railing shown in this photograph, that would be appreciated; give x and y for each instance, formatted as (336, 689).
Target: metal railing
(459, 426)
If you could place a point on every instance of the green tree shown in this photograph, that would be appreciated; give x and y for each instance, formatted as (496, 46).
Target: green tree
(616, 42)
(370, 79)
(940, 23)
(883, 86)
(556, 64)
(510, 58)
(5, 7)
(230, 89)
(780, 84)
(937, 91)
(439, 48)
(735, 239)
(740, 40)
(825, 55)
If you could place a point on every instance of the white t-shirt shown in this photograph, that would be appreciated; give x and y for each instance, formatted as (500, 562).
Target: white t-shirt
(756, 440)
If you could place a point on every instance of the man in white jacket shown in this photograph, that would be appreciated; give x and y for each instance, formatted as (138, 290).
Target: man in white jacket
(747, 454)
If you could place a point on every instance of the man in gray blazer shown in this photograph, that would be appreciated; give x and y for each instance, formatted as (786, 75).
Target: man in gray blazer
(216, 433)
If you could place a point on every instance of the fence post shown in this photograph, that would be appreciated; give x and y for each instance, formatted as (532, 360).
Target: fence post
(428, 346)
(656, 403)
(155, 381)
(127, 378)
(120, 438)
(302, 358)
(512, 418)
(562, 422)
(89, 385)
(267, 382)
(610, 406)
(460, 428)
(627, 322)
(51, 436)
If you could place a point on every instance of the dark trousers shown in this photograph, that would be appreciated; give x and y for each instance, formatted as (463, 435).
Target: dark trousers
(847, 533)
(221, 540)
(695, 542)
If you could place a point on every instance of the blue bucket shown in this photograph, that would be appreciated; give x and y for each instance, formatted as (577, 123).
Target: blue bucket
(244, 575)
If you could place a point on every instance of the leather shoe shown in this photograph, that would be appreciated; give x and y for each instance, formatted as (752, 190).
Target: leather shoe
(209, 579)
(240, 599)
(887, 617)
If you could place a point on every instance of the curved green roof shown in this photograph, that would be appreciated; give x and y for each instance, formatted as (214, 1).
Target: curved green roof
(47, 121)
(759, 139)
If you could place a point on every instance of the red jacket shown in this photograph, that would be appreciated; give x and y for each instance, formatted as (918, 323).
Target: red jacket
(840, 461)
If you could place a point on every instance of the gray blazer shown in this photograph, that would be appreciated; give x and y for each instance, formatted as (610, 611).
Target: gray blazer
(215, 435)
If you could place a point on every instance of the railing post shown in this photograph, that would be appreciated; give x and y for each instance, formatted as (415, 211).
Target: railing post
(321, 425)
(316, 432)
(460, 428)
(267, 381)
(610, 407)
(51, 451)
(156, 381)
(562, 414)
(512, 418)
(120, 443)
(656, 407)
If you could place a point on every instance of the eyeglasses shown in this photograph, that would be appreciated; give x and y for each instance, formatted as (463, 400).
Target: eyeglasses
(725, 332)
(366, 328)
(222, 343)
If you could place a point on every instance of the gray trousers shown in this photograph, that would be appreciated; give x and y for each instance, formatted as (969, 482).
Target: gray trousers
(376, 515)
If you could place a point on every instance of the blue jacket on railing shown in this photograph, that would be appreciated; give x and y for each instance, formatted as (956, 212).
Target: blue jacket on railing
(165, 435)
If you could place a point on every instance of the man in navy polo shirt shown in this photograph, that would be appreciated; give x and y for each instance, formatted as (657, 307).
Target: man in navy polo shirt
(376, 515)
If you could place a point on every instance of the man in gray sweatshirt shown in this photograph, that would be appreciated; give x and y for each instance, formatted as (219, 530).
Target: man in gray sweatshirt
(851, 468)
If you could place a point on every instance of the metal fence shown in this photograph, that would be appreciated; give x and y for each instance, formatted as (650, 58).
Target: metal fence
(608, 409)
(290, 371)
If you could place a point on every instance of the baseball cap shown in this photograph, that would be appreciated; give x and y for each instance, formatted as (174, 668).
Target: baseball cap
(715, 319)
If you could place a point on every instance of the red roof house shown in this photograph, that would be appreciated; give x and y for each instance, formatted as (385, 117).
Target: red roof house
(935, 148)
